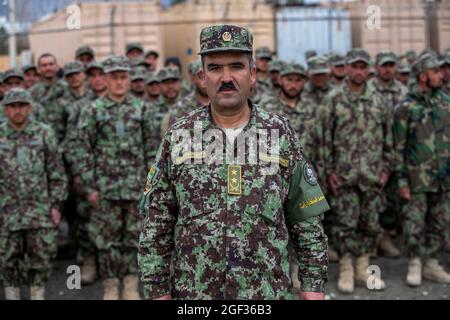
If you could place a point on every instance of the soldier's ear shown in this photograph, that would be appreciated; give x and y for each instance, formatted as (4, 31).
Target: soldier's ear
(253, 75)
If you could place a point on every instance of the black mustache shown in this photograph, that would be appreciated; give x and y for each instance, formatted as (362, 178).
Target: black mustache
(226, 86)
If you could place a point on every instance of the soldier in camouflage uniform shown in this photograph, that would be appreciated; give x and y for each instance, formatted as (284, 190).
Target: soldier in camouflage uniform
(422, 149)
(411, 56)
(31, 75)
(403, 72)
(263, 84)
(138, 76)
(153, 89)
(392, 92)
(358, 147)
(338, 69)
(85, 55)
(318, 80)
(134, 51)
(275, 67)
(152, 59)
(445, 69)
(227, 225)
(33, 187)
(112, 135)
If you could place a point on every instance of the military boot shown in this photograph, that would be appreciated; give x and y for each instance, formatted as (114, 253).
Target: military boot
(131, 288)
(435, 272)
(88, 270)
(387, 248)
(332, 255)
(37, 293)
(111, 289)
(414, 276)
(361, 274)
(346, 282)
(12, 293)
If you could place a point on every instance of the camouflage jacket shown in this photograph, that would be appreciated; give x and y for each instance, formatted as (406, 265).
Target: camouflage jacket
(262, 88)
(358, 137)
(392, 94)
(182, 108)
(36, 114)
(32, 178)
(113, 141)
(314, 94)
(227, 226)
(422, 141)
(186, 88)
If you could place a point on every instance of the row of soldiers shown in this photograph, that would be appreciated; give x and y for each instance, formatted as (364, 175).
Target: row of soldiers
(91, 136)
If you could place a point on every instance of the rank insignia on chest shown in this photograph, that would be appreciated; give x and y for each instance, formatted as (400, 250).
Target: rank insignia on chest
(234, 180)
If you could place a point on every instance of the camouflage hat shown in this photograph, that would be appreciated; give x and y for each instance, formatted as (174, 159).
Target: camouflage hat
(13, 73)
(17, 95)
(318, 65)
(140, 61)
(134, 45)
(335, 59)
(84, 50)
(138, 73)
(151, 51)
(151, 78)
(310, 53)
(220, 38)
(428, 52)
(411, 54)
(28, 67)
(195, 66)
(116, 63)
(445, 58)
(263, 53)
(293, 68)
(404, 67)
(94, 65)
(424, 63)
(385, 57)
(168, 73)
(357, 54)
(275, 65)
(73, 67)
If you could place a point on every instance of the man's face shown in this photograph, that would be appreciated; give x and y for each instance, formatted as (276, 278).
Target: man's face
(403, 77)
(134, 54)
(118, 83)
(275, 78)
(197, 79)
(170, 88)
(339, 71)
(138, 86)
(386, 72)
(153, 89)
(31, 78)
(358, 72)
(445, 69)
(432, 78)
(18, 112)
(319, 80)
(152, 61)
(292, 85)
(85, 59)
(228, 79)
(47, 67)
(97, 80)
(13, 82)
(2, 89)
(262, 64)
(76, 80)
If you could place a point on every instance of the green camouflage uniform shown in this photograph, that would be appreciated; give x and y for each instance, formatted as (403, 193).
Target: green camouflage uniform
(358, 140)
(316, 65)
(335, 59)
(32, 181)
(422, 145)
(218, 231)
(263, 87)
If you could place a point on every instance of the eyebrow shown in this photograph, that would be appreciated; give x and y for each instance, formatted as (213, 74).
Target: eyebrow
(235, 63)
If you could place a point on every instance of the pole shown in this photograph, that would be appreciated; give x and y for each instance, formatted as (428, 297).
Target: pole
(12, 34)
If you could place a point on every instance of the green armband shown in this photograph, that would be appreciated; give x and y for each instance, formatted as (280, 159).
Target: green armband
(305, 198)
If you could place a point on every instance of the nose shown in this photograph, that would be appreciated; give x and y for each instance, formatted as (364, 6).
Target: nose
(226, 75)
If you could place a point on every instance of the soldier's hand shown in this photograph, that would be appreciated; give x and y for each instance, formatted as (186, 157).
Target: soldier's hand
(333, 182)
(384, 177)
(77, 185)
(93, 199)
(56, 216)
(166, 297)
(312, 296)
(405, 193)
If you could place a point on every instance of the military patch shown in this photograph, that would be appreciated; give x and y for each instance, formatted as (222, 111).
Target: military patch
(310, 177)
(234, 180)
(274, 158)
(226, 36)
(150, 176)
(310, 202)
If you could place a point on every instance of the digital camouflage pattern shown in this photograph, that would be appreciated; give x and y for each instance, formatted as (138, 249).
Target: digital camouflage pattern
(116, 63)
(73, 67)
(316, 94)
(385, 57)
(17, 95)
(318, 65)
(13, 73)
(263, 53)
(225, 38)
(228, 245)
(168, 74)
(84, 50)
(357, 54)
(181, 109)
(138, 73)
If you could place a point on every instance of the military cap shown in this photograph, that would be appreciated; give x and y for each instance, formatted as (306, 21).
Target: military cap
(275, 65)
(293, 68)
(195, 66)
(73, 67)
(16, 95)
(13, 73)
(134, 45)
(445, 58)
(28, 67)
(410, 54)
(152, 77)
(138, 73)
(404, 67)
(336, 59)
(428, 52)
(263, 52)
(310, 53)
(220, 38)
(94, 65)
(425, 63)
(385, 57)
(357, 54)
(116, 63)
(151, 51)
(84, 50)
(140, 61)
(168, 73)
(318, 65)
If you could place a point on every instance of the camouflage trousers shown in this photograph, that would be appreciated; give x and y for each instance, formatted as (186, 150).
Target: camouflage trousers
(390, 217)
(356, 227)
(85, 246)
(114, 229)
(27, 256)
(425, 223)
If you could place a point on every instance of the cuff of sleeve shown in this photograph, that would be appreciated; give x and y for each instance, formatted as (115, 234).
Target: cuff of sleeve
(402, 182)
(154, 291)
(312, 285)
